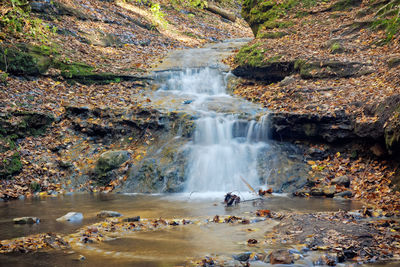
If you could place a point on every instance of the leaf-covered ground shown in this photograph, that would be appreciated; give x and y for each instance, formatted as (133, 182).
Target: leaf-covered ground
(321, 34)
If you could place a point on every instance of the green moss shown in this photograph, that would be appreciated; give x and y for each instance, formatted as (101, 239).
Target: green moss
(83, 73)
(23, 60)
(266, 13)
(35, 186)
(251, 55)
(337, 48)
(10, 166)
(271, 35)
(274, 59)
(299, 63)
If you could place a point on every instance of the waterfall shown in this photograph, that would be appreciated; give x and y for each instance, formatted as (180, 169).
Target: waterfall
(225, 147)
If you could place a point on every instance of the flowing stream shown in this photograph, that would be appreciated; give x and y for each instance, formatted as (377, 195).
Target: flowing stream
(225, 148)
(230, 135)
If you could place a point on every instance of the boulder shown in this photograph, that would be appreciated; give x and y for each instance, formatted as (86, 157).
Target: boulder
(317, 192)
(108, 213)
(341, 180)
(71, 217)
(26, 220)
(280, 256)
(111, 160)
(107, 162)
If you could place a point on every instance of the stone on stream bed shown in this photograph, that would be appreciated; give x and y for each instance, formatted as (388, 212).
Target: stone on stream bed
(26, 220)
(71, 217)
(108, 213)
(280, 256)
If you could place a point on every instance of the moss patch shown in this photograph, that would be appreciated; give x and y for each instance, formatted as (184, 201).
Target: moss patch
(24, 60)
(266, 14)
(271, 35)
(336, 48)
(10, 166)
(251, 55)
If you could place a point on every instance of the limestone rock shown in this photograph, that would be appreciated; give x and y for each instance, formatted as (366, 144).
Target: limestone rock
(71, 217)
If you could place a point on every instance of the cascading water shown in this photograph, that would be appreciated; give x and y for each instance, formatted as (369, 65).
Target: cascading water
(225, 148)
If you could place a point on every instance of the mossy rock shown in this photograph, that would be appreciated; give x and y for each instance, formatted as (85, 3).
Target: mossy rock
(264, 14)
(84, 74)
(21, 124)
(107, 162)
(251, 55)
(10, 166)
(24, 60)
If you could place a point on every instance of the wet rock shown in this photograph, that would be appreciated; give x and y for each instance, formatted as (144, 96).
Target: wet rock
(344, 194)
(108, 213)
(341, 180)
(280, 257)
(329, 191)
(242, 257)
(132, 219)
(26, 220)
(71, 217)
(317, 192)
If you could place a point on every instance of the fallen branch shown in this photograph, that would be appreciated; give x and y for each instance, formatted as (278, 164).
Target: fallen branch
(219, 11)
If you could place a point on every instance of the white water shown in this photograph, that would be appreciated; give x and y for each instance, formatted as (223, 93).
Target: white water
(225, 148)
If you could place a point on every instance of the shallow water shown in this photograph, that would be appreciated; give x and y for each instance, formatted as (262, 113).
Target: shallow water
(146, 206)
(165, 247)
